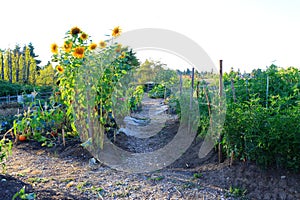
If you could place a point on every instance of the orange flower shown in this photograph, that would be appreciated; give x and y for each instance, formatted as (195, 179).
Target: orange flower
(79, 52)
(116, 31)
(67, 46)
(60, 69)
(75, 30)
(84, 36)
(102, 44)
(92, 46)
(54, 48)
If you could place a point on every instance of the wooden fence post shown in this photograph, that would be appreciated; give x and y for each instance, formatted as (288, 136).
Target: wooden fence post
(220, 155)
(192, 89)
(180, 84)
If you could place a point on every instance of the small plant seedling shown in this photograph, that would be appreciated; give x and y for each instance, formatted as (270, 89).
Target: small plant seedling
(23, 195)
(237, 191)
(198, 175)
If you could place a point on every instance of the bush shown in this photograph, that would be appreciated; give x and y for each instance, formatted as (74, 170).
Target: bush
(159, 91)
(136, 98)
(267, 136)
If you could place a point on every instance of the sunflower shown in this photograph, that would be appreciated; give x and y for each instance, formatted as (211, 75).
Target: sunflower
(67, 46)
(92, 46)
(123, 54)
(79, 52)
(118, 49)
(84, 36)
(102, 44)
(60, 69)
(75, 30)
(54, 48)
(116, 31)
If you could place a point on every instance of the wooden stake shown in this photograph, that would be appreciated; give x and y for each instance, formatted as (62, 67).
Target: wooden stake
(220, 155)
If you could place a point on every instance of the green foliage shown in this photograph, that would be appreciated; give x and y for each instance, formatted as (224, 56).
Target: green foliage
(23, 195)
(5, 151)
(262, 128)
(41, 122)
(18, 89)
(136, 98)
(159, 91)
(197, 175)
(86, 79)
(237, 192)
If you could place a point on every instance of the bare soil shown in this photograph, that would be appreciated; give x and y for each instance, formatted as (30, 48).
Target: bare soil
(66, 172)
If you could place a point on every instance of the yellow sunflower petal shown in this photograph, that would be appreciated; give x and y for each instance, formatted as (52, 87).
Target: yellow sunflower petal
(84, 36)
(75, 30)
(67, 46)
(92, 46)
(60, 69)
(54, 48)
(116, 31)
(78, 52)
(102, 44)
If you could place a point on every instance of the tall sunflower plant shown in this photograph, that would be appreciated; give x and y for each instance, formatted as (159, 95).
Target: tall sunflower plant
(87, 74)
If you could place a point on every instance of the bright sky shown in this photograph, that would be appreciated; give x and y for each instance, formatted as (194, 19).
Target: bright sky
(245, 34)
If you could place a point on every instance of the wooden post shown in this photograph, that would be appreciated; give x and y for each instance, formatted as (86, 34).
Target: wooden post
(220, 155)
(197, 89)
(192, 89)
(180, 84)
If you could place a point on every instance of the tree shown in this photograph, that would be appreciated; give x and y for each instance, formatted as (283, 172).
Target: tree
(2, 64)
(46, 75)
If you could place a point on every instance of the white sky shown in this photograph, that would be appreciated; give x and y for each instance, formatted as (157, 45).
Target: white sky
(246, 34)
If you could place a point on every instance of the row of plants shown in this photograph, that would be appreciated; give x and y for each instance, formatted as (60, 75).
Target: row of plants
(262, 116)
(13, 89)
(159, 91)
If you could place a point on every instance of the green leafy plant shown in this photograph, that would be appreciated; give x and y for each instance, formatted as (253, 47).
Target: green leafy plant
(136, 98)
(237, 192)
(159, 91)
(23, 195)
(5, 151)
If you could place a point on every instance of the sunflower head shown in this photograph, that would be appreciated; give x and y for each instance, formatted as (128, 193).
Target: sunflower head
(60, 69)
(78, 52)
(75, 31)
(67, 46)
(116, 31)
(123, 55)
(84, 36)
(118, 48)
(102, 44)
(54, 48)
(92, 46)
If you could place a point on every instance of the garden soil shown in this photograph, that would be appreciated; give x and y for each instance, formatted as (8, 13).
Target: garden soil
(67, 172)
